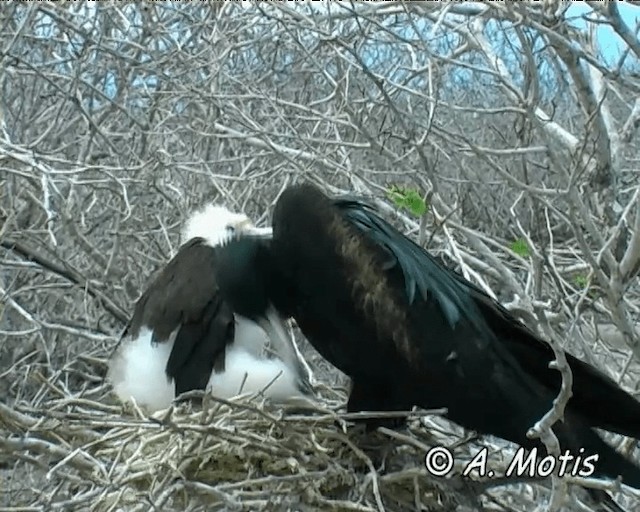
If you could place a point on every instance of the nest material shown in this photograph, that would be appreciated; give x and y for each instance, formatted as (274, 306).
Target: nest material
(231, 455)
(86, 452)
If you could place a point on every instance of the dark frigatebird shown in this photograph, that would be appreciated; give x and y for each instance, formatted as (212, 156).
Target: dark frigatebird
(410, 332)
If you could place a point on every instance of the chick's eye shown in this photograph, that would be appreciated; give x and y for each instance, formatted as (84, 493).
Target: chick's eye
(231, 229)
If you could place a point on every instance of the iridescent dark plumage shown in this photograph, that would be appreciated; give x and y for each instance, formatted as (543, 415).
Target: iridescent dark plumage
(409, 331)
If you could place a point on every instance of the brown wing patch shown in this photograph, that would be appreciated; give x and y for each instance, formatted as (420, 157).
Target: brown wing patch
(304, 211)
(371, 289)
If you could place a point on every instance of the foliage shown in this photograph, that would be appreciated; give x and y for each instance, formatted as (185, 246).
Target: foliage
(520, 247)
(409, 199)
(581, 281)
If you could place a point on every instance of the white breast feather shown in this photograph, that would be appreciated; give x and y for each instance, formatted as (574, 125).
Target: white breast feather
(137, 370)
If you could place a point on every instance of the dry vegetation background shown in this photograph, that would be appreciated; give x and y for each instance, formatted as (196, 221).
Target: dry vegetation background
(117, 119)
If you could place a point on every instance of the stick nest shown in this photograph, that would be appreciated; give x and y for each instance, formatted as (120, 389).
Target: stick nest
(85, 451)
(244, 454)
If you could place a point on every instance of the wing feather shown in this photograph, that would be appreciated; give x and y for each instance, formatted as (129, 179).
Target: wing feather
(596, 395)
(422, 273)
(184, 298)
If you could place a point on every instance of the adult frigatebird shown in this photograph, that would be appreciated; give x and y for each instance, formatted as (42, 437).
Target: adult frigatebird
(410, 332)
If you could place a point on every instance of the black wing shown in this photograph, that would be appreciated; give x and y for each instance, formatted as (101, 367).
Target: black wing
(422, 273)
(595, 395)
(184, 297)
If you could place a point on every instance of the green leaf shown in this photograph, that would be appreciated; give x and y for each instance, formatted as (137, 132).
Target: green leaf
(520, 247)
(409, 199)
(581, 281)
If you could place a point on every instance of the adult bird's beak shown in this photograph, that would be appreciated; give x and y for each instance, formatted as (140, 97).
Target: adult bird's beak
(260, 232)
(246, 227)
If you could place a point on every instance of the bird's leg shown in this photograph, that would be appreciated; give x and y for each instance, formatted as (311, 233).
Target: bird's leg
(373, 397)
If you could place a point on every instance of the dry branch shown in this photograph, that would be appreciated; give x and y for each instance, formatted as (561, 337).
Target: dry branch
(118, 119)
